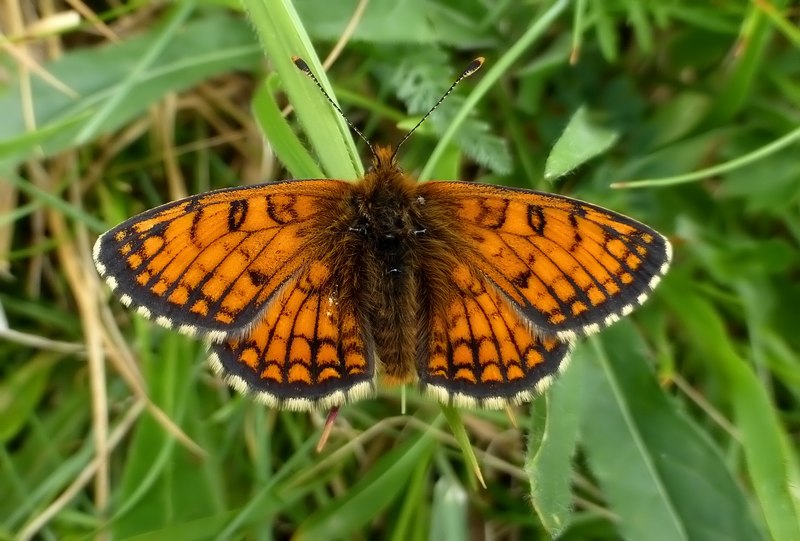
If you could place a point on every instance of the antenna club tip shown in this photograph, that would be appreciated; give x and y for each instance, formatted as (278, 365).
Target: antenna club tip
(301, 64)
(474, 66)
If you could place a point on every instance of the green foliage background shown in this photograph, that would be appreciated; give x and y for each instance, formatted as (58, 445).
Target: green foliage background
(679, 423)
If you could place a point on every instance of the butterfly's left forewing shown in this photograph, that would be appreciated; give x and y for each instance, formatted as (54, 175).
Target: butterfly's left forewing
(210, 263)
(568, 266)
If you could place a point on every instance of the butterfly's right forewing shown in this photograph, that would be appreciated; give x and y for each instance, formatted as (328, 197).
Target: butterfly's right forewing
(568, 266)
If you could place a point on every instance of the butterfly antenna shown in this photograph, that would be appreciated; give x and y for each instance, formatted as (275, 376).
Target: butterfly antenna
(473, 66)
(302, 66)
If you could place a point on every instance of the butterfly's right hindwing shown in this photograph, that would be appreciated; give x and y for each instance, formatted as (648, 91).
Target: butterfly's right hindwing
(479, 352)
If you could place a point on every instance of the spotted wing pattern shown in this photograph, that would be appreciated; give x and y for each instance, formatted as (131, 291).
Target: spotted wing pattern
(310, 349)
(480, 352)
(568, 266)
(210, 263)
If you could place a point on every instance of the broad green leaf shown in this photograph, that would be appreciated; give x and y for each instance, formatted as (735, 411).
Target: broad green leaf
(765, 443)
(582, 139)
(393, 22)
(679, 117)
(21, 392)
(663, 477)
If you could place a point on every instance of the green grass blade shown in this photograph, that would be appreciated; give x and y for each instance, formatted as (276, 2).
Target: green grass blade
(282, 35)
(288, 148)
(453, 417)
(383, 483)
(764, 441)
(731, 165)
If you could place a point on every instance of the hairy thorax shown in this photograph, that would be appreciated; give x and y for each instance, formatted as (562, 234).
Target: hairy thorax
(374, 236)
(386, 218)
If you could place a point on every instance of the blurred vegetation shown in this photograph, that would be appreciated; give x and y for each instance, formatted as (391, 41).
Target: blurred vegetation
(679, 423)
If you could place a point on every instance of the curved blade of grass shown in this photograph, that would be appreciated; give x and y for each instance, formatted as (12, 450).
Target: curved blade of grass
(385, 480)
(287, 147)
(663, 477)
(577, 30)
(748, 158)
(283, 36)
(453, 417)
(90, 129)
(765, 442)
(21, 143)
(492, 75)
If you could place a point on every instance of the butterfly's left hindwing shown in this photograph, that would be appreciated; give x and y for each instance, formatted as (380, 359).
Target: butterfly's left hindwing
(210, 263)
(568, 266)
(310, 349)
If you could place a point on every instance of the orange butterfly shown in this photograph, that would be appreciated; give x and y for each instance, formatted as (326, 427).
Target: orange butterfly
(311, 291)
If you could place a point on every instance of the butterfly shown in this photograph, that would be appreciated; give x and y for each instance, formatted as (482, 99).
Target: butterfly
(310, 293)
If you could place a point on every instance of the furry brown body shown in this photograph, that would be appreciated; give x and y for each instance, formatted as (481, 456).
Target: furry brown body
(380, 230)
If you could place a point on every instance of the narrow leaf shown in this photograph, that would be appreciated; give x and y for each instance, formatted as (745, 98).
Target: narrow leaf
(370, 495)
(284, 142)
(549, 464)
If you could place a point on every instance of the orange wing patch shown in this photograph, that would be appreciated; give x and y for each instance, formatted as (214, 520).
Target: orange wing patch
(480, 352)
(568, 266)
(210, 263)
(309, 350)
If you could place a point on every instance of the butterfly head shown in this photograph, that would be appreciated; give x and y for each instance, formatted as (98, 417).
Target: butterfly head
(384, 159)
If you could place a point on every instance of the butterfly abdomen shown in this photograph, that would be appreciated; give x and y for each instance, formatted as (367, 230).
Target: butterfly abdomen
(386, 220)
